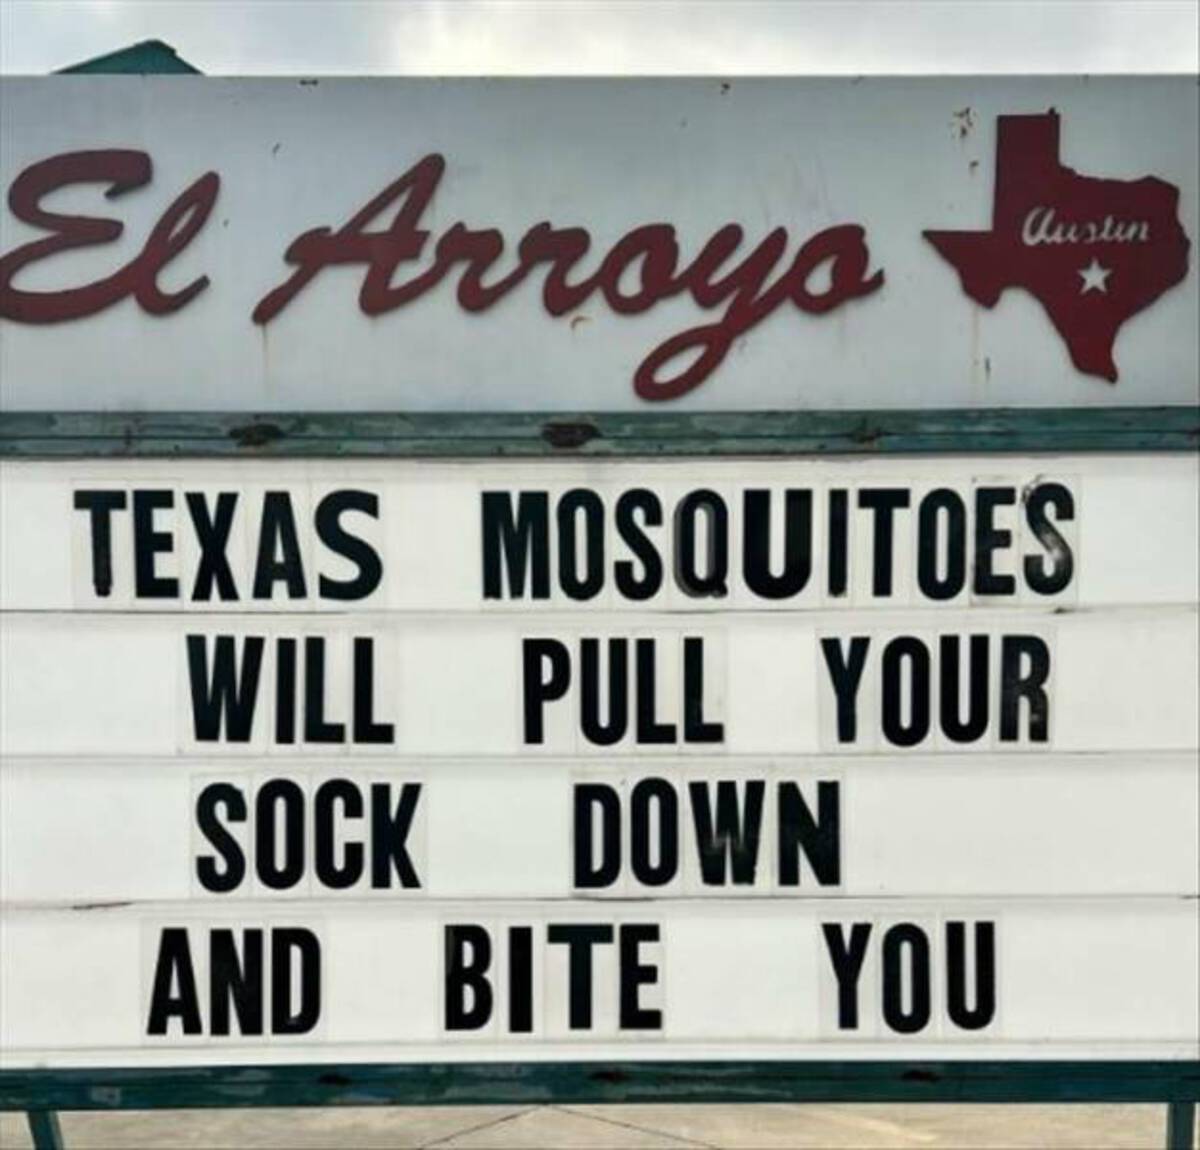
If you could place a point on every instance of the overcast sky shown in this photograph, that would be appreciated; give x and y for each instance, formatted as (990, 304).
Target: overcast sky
(614, 36)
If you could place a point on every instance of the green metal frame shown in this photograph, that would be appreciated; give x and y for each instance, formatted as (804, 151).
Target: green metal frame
(531, 1083)
(650, 433)
(41, 1093)
(85, 435)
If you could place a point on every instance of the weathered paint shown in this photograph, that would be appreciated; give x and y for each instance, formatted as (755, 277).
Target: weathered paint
(421, 435)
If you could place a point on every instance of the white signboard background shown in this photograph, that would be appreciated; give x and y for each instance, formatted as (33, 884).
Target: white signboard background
(1135, 534)
(736, 981)
(119, 685)
(1133, 827)
(1081, 850)
(895, 156)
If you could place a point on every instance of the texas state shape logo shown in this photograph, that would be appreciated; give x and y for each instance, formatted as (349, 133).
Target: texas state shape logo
(1093, 252)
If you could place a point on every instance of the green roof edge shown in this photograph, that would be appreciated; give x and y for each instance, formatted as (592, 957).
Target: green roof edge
(146, 58)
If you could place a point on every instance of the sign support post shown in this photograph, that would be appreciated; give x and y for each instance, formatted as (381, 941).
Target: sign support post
(45, 1130)
(1181, 1125)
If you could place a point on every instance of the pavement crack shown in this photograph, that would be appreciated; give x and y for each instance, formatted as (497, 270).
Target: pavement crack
(446, 1139)
(634, 1126)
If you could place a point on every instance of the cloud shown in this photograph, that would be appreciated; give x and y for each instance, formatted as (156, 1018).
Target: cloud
(451, 37)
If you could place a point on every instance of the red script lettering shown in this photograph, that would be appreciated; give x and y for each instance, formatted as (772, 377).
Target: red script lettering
(652, 249)
(122, 170)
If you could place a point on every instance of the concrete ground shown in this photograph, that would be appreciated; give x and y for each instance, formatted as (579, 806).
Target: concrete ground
(759, 1127)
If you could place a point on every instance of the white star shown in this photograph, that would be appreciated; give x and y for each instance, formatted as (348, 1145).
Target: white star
(1095, 278)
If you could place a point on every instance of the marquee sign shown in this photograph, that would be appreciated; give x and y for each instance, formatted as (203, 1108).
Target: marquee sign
(784, 758)
(382, 760)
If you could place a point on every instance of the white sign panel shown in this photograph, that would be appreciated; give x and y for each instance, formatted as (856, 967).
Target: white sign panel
(532, 981)
(194, 244)
(383, 761)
